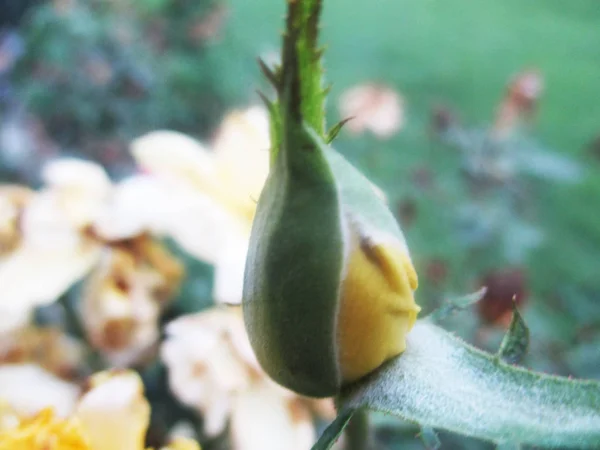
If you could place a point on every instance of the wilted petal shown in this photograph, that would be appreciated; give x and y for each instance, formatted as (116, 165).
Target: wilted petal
(212, 368)
(372, 107)
(119, 312)
(12, 201)
(229, 268)
(200, 225)
(139, 204)
(167, 207)
(242, 157)
(175, 156)
(205, 367)
(81, 188)
(33, 276)
(230, 176)
(263, 419)
(49, 348)
(46, 225)
(76, 174)
(216, 408)
(198, 202)
(322, 407)
(28, 389)
(519, 103)
(13, 319)
(114, 413)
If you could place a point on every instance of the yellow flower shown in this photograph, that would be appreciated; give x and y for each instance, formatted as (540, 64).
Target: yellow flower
(182, 444)
(45, 432)
(112, 415)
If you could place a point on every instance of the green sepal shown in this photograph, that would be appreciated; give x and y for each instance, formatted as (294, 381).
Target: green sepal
(274, 76)
(274, 127)
(294, 268)
(334, 430)
(335, 130)
(516, 340)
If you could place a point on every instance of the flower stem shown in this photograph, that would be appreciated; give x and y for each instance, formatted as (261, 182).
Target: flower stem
(358, 436)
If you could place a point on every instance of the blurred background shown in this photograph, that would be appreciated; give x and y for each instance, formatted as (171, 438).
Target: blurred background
(479, 120)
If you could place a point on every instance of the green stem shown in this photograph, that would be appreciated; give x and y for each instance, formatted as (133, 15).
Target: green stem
(358, 436)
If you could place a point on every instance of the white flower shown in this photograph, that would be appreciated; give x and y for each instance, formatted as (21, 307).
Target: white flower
(212, 368)
(209, 196)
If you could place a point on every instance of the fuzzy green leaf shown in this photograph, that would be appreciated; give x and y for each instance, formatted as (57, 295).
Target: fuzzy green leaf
(441, 382)
(516, 341)
(508, 446)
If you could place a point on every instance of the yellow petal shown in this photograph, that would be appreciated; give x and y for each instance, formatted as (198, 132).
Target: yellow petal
(33, 276)
(28, 389)
(44, 432)
(176, 156)
(182, 444)
(114, 414)
(377, 294)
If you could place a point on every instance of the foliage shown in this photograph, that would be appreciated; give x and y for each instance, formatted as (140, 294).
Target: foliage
(99, 75)
(438, 381)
